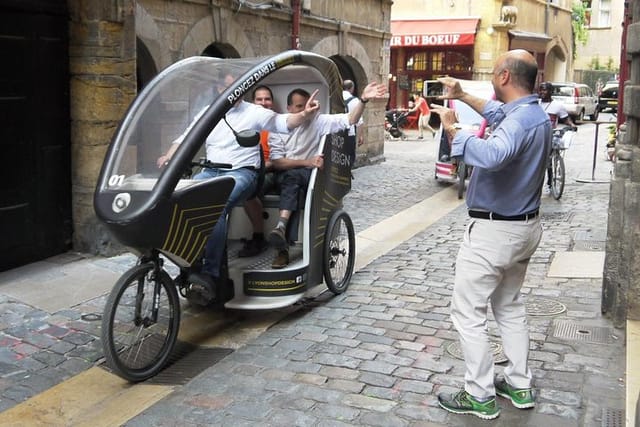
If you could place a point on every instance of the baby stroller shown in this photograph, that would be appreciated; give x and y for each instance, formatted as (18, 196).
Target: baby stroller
(394, 121)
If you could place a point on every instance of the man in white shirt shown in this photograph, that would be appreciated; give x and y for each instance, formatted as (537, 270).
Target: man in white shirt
(349, 97)
(222, 147)
(295, 157)
(557, 114)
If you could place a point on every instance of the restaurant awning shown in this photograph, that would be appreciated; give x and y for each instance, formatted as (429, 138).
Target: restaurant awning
(434, 32)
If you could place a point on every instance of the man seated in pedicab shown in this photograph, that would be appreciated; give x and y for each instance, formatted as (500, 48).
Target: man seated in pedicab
(294, 158)
(223, 147)
(263, 96)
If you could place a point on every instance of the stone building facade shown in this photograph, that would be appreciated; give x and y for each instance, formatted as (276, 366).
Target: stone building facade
(621, 287)
(463, 38)
(116, 46)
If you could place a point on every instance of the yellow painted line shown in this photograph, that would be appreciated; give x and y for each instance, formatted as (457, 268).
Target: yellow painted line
(93, 398)
(380, 238)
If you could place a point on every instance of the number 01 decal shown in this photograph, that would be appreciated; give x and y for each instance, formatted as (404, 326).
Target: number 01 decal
(116, 180)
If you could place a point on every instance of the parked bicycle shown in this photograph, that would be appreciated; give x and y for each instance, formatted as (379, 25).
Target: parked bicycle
(562, 138)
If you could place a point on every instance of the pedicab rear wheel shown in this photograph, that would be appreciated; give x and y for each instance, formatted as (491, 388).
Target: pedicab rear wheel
(339, 252)
(140, 323)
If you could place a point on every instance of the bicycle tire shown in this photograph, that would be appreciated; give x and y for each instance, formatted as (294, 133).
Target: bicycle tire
(557, 178)
(462, 176)
(135, 349)
(339, 252)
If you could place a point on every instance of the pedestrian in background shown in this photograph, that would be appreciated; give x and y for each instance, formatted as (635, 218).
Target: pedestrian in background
(503, 232)
(420, 105)
(557, 114)
(350, 100)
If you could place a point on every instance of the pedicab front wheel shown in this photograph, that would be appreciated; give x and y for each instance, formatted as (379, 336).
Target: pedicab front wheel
(140, 323)
(339, 252)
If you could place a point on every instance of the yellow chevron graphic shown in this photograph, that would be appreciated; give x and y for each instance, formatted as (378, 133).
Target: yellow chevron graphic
(189, 229)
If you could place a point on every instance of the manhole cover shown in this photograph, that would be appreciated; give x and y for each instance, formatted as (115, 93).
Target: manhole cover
(590, 235)
(544, 307)
(556, 216)
(455, 350)
(612, 417)
(574, 331)
(589, 245)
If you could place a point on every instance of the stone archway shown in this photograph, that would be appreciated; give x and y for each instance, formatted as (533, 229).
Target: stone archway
(556, 61)
(354, 63)
(354, 54)
(149, 34)
(222, 31)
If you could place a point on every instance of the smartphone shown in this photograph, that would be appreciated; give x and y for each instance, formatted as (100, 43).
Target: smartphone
(432, 89)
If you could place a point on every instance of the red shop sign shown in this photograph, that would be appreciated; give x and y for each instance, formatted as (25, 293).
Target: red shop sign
(434, 32)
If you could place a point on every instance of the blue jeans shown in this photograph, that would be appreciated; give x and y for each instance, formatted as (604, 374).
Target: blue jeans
(245, 186)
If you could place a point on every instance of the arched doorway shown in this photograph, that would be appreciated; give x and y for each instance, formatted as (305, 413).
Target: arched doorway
(35, 182)
(145, 65)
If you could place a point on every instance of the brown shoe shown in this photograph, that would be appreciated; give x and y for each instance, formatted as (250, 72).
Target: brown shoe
(282, 259)
(277, 238)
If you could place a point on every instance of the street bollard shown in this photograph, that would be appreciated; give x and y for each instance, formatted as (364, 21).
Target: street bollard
(595, 154)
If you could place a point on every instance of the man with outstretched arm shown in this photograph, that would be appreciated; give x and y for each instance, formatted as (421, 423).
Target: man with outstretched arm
(295, 158)
(504, 231)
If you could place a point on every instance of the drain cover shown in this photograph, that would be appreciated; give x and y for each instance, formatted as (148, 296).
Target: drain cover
(186, 362)
(455, 350)
(574, 331)
(589, 245)
(544, 307)
(612, 417)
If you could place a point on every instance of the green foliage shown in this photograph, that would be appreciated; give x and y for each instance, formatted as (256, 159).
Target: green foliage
(611, 138)
(579, 24)
(596, 65)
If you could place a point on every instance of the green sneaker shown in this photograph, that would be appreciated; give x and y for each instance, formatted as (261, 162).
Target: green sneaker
(521, 398)
(463, 403)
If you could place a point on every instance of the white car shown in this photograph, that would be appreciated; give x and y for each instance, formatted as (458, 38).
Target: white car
(579, 100)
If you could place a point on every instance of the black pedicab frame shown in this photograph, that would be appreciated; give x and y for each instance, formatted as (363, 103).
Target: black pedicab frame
(155, 211)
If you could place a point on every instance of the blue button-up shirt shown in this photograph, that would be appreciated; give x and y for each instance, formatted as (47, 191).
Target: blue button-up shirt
(510, 165)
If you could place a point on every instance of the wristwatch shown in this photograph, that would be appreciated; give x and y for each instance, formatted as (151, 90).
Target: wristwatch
(362, 100)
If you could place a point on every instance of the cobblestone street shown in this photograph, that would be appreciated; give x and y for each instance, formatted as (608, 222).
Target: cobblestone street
(378, 354)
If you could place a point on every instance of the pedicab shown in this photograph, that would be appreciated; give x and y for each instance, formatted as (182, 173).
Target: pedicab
(455, 170)
(165, 217)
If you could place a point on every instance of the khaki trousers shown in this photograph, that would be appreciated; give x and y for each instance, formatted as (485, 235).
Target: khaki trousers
(490, 268)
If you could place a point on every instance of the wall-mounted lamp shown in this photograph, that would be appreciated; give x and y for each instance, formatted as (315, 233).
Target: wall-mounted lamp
(490, 30)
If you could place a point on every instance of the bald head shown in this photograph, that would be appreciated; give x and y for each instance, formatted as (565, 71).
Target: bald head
(348, 85)
(522, 67)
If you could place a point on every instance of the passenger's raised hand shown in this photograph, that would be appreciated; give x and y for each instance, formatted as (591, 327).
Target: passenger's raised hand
(312, 104)
(372, 91)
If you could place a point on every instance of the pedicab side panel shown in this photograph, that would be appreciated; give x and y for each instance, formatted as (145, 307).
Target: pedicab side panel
(158, 218)
(332, 184)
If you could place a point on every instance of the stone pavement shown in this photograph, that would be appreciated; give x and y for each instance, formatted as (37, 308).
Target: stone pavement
(378, 354)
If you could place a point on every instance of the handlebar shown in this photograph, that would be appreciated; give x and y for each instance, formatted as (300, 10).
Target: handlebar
(559, 132)
(211, 165)
(203, 163)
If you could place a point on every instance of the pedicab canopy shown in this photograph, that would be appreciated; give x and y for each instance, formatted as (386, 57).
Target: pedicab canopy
(142, 203)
